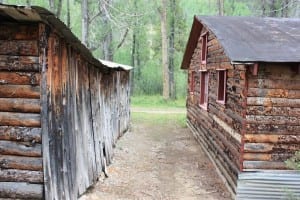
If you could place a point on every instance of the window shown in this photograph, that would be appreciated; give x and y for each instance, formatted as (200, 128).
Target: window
(203, 89)
(221, 86)
(204, 48)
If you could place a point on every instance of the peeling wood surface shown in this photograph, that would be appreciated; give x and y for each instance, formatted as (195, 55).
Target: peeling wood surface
(21, 162)
(20, 149)
(20, 119)
(88, 111)
(14, 47)
(22, 134)
(14, 175)
(19, 63)
(21, 190)
(20, 91)
(20, 105)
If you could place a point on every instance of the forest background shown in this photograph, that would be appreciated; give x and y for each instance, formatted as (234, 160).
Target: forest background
(150, 35)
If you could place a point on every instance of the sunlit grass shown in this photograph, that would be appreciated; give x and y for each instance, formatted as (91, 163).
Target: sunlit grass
(156, 101)
(159, 119)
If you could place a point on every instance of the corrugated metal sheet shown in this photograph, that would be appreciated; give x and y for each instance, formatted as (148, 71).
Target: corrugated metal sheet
(268, 185)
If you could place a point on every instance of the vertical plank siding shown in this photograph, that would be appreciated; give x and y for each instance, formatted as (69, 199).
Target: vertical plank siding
(88, 110)
(21, 169)
(273, 124)
(218, 129)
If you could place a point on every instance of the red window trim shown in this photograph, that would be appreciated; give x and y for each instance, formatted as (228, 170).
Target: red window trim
(204, 79)
(221, 98)
(204, 38)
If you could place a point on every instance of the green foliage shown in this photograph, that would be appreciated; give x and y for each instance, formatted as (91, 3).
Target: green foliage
(294, 162)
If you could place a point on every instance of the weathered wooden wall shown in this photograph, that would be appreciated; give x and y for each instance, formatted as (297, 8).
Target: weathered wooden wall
(219, 128)
(273, 116)
(21, 169)
(86, 111)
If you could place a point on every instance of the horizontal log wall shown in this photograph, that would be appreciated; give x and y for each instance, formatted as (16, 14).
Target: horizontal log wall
(219, 128)
(83, 109)
(273, 110)
(21, 168)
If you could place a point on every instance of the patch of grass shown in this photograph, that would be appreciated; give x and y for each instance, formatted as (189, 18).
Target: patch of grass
(156, 101)
(159, 119)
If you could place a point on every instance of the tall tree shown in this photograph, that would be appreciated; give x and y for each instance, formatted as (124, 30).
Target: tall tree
(85, 22)
(221, 7)
(68, 14)
(164, 46)
(172, 94)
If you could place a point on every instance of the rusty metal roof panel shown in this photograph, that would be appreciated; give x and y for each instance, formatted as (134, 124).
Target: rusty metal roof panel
(254, 39)
(262, 185)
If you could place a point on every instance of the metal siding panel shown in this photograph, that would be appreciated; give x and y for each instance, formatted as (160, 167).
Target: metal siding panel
(268, 185)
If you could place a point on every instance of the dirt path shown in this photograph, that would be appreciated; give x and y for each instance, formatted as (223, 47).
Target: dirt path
(161, 162)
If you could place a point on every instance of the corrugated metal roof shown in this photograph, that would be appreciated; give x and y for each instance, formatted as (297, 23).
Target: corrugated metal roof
(38, 14)
(262, 185)
(251, 39)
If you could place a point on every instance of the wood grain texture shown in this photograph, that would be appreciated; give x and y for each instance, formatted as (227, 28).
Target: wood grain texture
(20, 105)
(15, 190)
(20, 78)
(21, 162)
(19, 47)
(22, 134)
(19, 63)
(20, 119)
(20, 91)
(15, 175)
(9, 31)
(20, 148)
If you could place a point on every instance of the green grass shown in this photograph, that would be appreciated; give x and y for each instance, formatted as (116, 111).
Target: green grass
(156, 102)
(159, 119)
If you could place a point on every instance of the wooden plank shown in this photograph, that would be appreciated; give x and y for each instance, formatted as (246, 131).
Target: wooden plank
(13, 31)
(279, 120)
(274, 84)
(20, 119)
(263, 165)
(273, 111)
(19, 63)
(20, 78)
(20, 91)
(282, 129)
(20, 105)
(23, 134)
(20, 148)
(19, 47)
(14, 175)
(276, 139)
(21, 190)
(274, 93)
(269, 147)
(21, 162)
(267, 156)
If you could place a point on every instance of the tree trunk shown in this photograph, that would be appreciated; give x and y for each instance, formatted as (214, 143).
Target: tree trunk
(172, 50)
(85, 22)
(273, 11)
(68, 14)
(263, 8)
(58, 11)
(107, 39)
(285, 8)
(133, 62)
(52, 5)
(28, 3)
(221, 7)
(164, 41)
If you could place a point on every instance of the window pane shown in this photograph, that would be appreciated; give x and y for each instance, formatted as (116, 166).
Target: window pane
(221, 86)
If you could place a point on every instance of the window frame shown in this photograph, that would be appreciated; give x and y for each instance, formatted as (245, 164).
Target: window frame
(204, 40)
(222, 86)
(204, 82)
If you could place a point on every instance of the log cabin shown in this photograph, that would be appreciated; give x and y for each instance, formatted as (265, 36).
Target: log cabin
(61, 110)
(243, 103)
